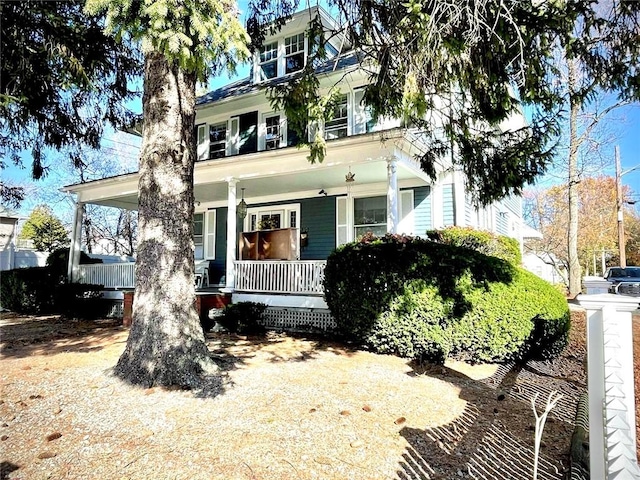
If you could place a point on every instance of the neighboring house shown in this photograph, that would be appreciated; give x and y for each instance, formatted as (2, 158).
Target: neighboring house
(266, 219)
(543, 264)
(16, 252)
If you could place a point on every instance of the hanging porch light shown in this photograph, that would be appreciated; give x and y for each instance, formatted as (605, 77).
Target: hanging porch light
(242, 207)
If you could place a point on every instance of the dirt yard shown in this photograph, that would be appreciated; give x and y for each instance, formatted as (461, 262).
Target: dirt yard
(282, 408)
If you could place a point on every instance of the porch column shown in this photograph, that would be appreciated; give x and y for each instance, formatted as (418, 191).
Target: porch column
(392, 195)
(232, 239)
(76, 241)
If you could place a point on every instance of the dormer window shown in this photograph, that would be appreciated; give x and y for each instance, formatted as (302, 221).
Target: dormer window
(278, 58)
(269, 60)
(294, 53)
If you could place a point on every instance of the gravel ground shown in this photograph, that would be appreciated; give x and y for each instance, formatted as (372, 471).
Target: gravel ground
(282, 408)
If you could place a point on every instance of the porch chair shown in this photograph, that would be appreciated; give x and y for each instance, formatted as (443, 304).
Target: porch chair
(201, 275)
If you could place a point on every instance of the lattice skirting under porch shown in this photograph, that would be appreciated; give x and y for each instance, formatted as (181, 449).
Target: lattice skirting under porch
(299, 319)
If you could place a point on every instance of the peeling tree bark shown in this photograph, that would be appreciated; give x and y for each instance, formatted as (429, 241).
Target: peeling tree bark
(166, 344)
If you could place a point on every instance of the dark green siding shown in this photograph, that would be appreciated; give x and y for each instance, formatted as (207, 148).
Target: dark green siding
(319, 217)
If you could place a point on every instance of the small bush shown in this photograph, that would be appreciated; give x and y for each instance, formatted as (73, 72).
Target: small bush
(39, 290)
(28, 290)
(244, 318)
(428, 300)
(481, 241)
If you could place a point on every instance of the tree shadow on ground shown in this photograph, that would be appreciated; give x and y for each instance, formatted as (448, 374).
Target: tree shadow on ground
(6, 468)
(275, 347)
(24, 336)
(231, 351)
(477, 444)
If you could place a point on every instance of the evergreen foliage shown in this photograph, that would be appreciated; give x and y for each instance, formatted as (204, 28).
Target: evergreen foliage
(61, 80)
(456, 72)
(45, 230)
(433, 301)
(482, 241)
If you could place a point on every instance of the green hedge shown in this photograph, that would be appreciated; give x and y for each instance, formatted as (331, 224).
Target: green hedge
(481, 241)
(422, 299)
(38, 290)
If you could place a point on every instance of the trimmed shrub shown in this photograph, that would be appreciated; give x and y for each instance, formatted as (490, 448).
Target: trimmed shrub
(38, 290)
(28, 290)
(481, 241)
(427, 300)
(244, 317)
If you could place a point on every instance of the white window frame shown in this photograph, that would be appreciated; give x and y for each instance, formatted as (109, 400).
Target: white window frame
(219, 142)
(287, 55)
(262, 138)
(347, 119)
(266, 61)
(345, 232)
(201, 235)
(284, 210)
(281, 61)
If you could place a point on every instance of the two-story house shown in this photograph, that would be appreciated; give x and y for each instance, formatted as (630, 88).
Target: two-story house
(265, 217)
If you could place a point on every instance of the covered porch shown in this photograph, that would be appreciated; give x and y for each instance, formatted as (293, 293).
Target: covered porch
(354, 166)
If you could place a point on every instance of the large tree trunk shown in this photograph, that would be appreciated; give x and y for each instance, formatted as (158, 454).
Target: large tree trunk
(166, 344)
(575, 275)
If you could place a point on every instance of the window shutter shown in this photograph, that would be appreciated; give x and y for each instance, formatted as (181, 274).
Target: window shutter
(342, 227)
(233, 136)
(359, 113)
(407, 224)
(210, 234)
(201, 142)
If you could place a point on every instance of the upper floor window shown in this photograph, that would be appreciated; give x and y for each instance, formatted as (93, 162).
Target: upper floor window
(338, 126)
(294, 53)
(217, 140)
(273, 134)
(269, 60)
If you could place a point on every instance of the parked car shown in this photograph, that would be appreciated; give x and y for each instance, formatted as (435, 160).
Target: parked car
(624, 281)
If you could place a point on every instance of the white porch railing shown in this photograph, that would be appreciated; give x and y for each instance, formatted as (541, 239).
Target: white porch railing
(111, 275)
(302, 277)
(612, 421)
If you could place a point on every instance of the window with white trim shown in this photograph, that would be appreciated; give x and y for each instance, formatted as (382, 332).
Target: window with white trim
(370, 215)
(294, 53)
(338, 126)
(273, 132)
(358, 215)
(270, 217)
(218, 140)
(268, 61)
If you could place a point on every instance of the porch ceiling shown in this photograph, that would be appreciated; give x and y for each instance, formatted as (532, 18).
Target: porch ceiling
(270, 174)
